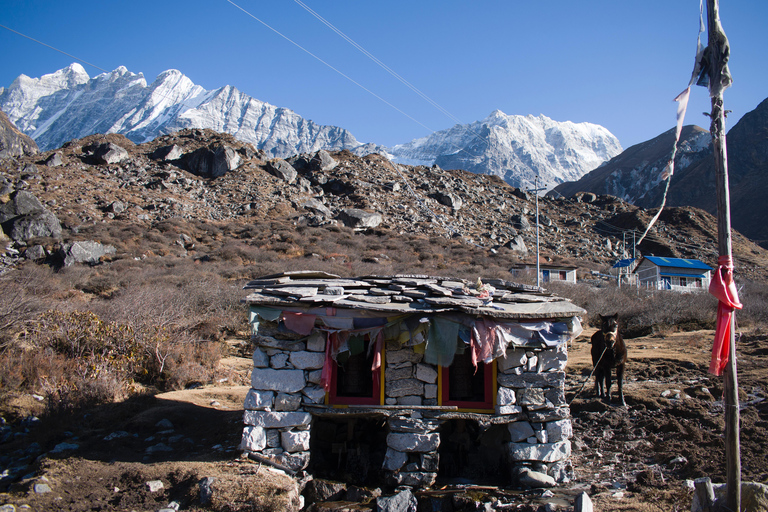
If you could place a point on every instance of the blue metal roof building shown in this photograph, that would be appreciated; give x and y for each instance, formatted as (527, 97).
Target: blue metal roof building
(678, 274)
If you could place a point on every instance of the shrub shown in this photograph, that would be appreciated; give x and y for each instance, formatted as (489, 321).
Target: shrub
(23, 293)
(641, 312)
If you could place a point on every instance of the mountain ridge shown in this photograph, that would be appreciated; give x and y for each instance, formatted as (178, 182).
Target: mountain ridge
(639, 170)
(68, 104)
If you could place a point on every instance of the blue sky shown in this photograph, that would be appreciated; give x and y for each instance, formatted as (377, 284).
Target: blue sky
(618, 64)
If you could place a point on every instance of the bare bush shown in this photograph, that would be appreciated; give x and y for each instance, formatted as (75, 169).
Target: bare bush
(641, 311)
(23, 293)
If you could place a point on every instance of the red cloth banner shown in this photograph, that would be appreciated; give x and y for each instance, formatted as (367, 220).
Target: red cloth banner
(723, 288)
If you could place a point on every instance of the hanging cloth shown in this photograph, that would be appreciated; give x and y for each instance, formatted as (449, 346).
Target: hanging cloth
(697, 76)
(483, 341)
(300, 323)
(441, 342)
(724, 289)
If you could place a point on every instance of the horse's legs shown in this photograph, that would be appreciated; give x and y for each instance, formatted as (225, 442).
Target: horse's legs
(620, 382)
(599, 381)
(608, 384)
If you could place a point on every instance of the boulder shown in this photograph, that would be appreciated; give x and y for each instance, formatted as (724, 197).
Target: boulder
(40, 224)
(360, 219)
(505, 396)
(404, 442)
(254, 439)
(13, 143)
(54, 160)
(305, 360)
(450, 200)
(84, 252)
(559, 430)
(35, 253)
(542, 452)
(534, 479)
(404, 501)
(282, 169)
(394, 460)
(295, 441)
(521, 222)
(318, 490)
(287, 381)
(519, 431)
(317, 207)
(213, 162)
(256, 400)
(269, 419)
(517, 244)
(110, 153)
(287, 402)
(322, 161)
(167, 153)
(21, 203)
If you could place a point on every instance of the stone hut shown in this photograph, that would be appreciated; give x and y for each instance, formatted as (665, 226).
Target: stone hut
(407, 379)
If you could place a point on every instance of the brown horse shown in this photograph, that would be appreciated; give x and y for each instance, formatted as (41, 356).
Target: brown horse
(609, 351)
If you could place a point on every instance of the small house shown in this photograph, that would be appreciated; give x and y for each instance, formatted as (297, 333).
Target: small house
(677, 274)
(406, 378)
(547, 272)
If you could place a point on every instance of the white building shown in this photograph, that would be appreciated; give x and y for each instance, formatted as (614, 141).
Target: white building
(678, 274)
(549, 273)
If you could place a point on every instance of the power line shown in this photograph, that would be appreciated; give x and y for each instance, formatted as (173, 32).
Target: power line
(377, 61)
(297, 45)
(54, 48)
(395, 75)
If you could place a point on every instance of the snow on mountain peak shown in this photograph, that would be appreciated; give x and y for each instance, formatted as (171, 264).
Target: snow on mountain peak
(516, 148)
(67, 104)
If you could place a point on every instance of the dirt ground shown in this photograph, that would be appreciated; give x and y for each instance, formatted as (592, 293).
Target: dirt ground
(629, 459)
(638, 458)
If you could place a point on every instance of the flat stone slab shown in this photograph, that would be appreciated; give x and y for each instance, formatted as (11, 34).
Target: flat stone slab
(404, 442)
(269, 379)
(542, 452)
(268, 419)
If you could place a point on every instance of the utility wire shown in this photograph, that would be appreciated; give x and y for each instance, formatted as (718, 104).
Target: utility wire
(54, 48)
(393, 73)
(297, 45)
(377, 61)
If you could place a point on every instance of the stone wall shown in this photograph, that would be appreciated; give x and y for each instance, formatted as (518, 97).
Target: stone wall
(530, 403)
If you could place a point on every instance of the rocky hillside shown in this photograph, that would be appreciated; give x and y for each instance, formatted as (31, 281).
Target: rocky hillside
(184, 185)
(635, 174)
(12, 142)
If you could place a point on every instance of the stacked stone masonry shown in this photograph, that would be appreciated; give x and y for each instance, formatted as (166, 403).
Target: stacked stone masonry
(287, 396)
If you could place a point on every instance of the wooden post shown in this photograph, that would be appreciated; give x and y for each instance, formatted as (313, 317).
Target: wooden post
(718, 52)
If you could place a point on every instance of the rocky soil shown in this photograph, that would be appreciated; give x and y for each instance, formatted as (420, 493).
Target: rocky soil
(199, 177)
(640, 458)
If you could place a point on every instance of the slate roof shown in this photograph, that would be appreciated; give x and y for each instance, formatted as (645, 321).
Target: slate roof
(402, 294)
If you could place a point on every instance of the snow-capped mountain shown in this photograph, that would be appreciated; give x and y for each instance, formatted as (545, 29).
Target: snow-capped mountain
(516, 148)
(68, 104)
(635, 175)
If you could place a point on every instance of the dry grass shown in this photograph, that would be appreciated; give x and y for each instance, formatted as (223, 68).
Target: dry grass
(177, 288)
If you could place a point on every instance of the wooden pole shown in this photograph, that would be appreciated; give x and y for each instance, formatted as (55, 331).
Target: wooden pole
(718, 54)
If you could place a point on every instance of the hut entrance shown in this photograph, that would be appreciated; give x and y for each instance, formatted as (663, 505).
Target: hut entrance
(470, 454)
(348, 449)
